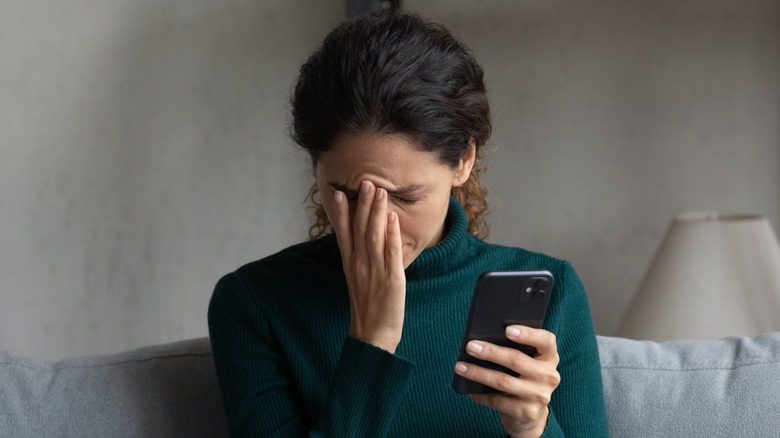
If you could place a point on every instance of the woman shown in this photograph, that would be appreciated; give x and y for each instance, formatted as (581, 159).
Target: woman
(356, 332)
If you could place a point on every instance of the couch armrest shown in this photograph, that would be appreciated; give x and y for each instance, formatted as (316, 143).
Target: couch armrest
(706, 388)
(165, 390)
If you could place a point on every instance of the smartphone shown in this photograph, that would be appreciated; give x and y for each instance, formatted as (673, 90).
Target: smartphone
(501, 299)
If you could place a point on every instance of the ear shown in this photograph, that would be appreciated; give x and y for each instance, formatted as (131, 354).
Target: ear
(465, 165)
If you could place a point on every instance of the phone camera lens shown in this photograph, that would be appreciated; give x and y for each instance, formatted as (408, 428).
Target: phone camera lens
(541, 283)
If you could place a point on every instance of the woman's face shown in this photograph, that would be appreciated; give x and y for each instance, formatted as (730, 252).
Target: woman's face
(418, 184)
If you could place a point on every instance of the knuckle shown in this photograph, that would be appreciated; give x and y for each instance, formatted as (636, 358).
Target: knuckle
(552, 340)
(378, 205)
(358, 227)
(367, 198)
(360, 271)
(391, 251)
(523, 411)
(504, 382)
(472, 373)
(518, 361)
(373, 238)
(531, 410)
(554, 379)
(540, 398)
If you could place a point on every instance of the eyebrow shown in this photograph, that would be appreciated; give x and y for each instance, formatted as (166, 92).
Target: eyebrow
(397, 192)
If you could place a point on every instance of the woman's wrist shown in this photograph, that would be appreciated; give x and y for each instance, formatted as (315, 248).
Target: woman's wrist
(537, 429)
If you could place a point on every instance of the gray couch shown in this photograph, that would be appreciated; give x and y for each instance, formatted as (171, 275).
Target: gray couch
(728, 387)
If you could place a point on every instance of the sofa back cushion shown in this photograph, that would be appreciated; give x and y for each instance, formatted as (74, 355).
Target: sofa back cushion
(726, 387)
(715, 388)
(167, 390)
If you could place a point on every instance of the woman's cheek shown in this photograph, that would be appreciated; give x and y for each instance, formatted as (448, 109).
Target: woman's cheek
(407, 229)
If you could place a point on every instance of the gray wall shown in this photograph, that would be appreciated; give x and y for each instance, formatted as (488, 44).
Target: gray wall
(612, 116)
(144, 149)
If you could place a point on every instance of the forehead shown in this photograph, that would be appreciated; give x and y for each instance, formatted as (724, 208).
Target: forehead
(388, 160)
(372, 146)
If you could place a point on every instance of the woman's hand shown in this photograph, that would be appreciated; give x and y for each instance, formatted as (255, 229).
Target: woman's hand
(522, 401)
(372, 256)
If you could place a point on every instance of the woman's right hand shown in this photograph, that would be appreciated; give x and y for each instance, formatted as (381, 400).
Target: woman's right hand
(371, 252)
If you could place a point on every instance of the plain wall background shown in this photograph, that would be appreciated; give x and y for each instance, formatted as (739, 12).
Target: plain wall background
(144, 148)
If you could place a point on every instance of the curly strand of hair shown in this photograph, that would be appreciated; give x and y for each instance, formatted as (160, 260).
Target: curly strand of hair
(321, 225)
(472, 195)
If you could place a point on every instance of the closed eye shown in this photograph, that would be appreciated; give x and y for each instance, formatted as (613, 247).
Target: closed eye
(405, 201)
(404, 195)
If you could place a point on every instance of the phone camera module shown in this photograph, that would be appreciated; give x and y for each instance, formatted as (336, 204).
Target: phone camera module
(535, 289)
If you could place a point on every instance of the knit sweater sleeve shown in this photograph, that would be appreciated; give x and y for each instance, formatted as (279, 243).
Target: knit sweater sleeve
(262, 398)
(577, 406)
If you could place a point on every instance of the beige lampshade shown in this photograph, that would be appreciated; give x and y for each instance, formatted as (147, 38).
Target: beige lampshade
(712, 276)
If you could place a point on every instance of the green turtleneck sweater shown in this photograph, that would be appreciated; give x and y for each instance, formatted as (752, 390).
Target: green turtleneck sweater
(287, 367)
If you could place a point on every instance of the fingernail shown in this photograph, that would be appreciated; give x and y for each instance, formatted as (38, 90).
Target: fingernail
(474, 347)
(512, 331)
(391, 217)
(380, 193)
(461, 367)
(338, 196)
(364, 186)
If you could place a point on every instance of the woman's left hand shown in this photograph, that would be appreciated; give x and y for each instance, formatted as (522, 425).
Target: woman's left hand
(522, 401)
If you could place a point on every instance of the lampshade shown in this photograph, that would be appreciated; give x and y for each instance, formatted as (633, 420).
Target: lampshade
(712, 276)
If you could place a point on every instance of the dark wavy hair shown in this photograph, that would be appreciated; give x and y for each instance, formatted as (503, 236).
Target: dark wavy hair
(392, 72)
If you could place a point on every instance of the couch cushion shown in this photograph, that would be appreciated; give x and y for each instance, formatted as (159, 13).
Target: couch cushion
(166, 390)
(714, 388)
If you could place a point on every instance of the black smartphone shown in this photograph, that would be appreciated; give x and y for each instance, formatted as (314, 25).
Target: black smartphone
(501, 299)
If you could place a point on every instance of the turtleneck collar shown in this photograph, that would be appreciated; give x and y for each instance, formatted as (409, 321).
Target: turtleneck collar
(449, 252)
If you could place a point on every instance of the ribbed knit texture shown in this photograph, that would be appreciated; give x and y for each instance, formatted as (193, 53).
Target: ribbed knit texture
(287, 367)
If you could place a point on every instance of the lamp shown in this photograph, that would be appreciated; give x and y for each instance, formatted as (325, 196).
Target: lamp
(712, 276)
